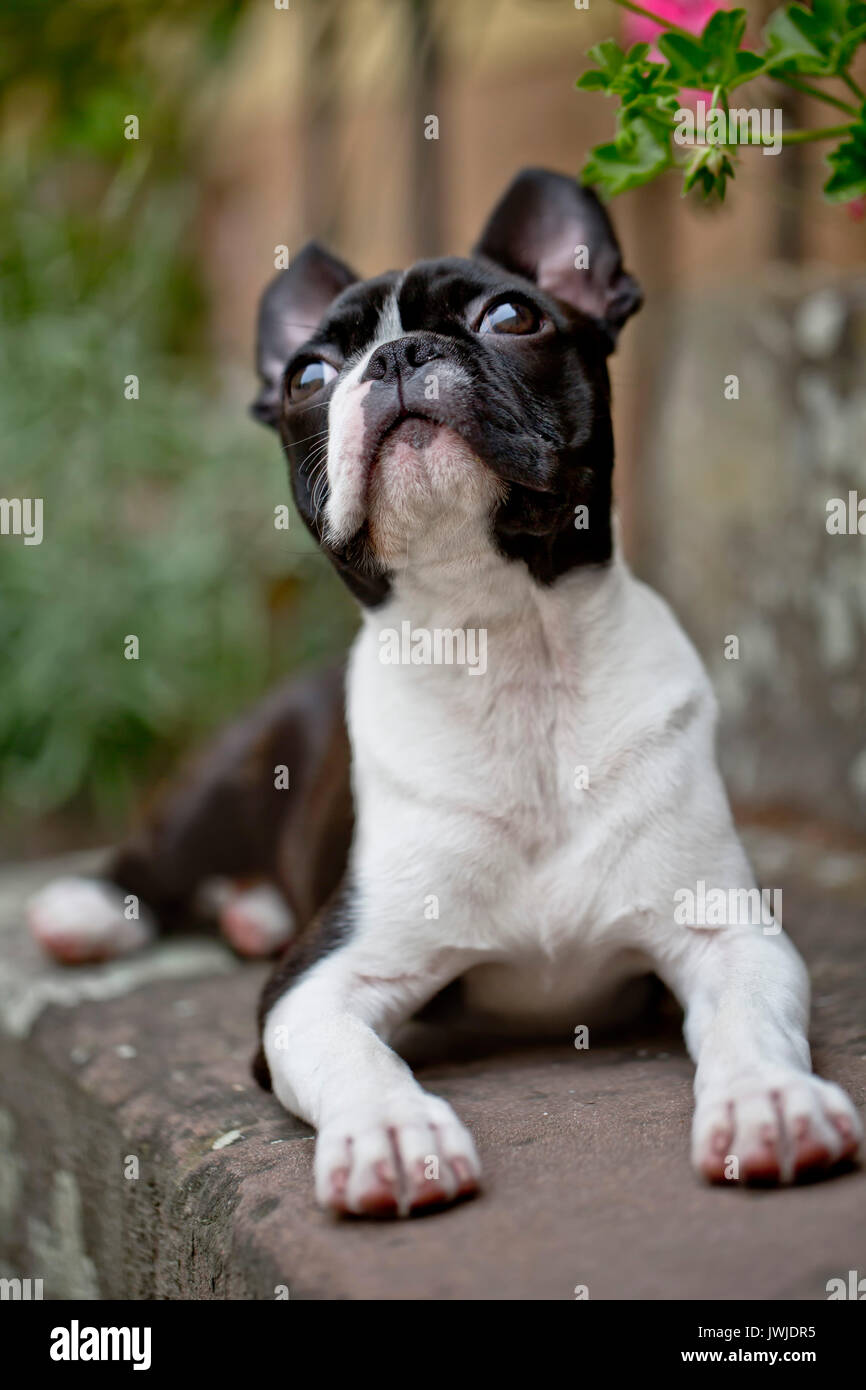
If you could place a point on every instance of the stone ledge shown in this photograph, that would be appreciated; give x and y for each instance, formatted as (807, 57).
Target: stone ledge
(585, 1153)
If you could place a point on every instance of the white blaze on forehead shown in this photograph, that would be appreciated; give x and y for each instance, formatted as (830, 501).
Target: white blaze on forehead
(344, 511)
(390, 325)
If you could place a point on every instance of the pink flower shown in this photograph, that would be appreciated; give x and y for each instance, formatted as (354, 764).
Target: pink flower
(688, 14)
(856, 209)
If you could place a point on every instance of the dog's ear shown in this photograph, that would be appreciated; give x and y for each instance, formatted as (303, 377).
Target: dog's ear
(554, 231)
(289, 312)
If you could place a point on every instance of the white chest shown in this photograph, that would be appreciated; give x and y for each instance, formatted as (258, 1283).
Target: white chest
(506, 795)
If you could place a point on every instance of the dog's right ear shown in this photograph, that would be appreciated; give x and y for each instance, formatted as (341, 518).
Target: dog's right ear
(289, 312)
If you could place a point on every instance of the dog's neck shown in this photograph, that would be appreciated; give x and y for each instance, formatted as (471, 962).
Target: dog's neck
(471, 585)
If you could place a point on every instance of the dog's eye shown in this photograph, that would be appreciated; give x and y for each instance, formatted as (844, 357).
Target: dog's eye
(310, 378)
(509, 317)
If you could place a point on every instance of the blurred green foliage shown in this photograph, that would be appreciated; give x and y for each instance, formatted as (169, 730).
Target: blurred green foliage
(158, 512)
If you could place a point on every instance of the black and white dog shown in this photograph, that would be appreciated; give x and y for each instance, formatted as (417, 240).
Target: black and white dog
(533, 782)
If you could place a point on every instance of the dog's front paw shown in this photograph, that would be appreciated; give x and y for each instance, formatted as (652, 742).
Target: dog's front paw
(773, 1128)
(393, 1160)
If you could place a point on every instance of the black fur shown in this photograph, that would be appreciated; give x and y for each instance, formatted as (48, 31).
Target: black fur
(535, 408)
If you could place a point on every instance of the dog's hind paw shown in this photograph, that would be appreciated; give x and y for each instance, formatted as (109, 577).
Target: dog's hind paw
(254, 918)
(77, 920)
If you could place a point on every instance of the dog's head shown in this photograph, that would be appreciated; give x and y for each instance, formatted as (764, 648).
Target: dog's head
(459, 399)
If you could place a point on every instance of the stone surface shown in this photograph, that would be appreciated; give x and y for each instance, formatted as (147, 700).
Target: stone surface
(733, 498)
(587, 1178)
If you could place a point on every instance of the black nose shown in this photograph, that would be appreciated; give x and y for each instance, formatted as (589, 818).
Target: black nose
(397, 360)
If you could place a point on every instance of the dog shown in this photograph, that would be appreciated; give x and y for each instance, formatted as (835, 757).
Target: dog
(524, 825)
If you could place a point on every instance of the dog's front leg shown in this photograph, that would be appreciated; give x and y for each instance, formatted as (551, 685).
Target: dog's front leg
(384, 1144)
(760, 1113)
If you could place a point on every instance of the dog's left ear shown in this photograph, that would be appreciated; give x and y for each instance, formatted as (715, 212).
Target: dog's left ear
(289, 313)
(552, 230)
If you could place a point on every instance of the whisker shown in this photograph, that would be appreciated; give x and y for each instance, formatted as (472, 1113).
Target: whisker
(318, 471)
(296, 323)
(319, 482)
(319, 434)
(318, 456)
(316, 405)
(319, 485)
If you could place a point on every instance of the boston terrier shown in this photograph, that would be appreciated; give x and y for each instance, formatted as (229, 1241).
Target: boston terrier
(513, 783)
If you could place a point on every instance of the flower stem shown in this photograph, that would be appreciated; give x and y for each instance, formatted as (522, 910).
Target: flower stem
(827, 132)
(849, 82)
(808, 90)
(794, 137)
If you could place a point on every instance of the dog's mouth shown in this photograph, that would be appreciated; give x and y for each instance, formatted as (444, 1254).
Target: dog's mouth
(418, 431)
(412, 471)
(410, 428)
(408, 431)
(404, 439)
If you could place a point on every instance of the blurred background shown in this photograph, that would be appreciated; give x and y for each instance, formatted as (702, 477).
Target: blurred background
(261, 127)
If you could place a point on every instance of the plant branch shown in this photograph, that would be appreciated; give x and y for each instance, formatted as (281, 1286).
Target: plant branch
(827, 132)
(715, 62)
(797, 137)
(808, 90)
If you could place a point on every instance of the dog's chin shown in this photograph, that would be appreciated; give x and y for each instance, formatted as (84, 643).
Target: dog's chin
(423, 487)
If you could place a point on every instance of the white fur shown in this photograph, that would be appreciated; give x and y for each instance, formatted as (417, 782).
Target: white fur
(257, 920)
(345, 509)
(81, 919)
(547, 896)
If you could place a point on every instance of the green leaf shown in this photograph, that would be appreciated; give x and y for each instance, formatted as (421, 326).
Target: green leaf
(685, 58)
(592, 81)
(715, 57)
(820, 41)
(724, 33)
(634, 158)
(789, 46)
(720, 41)
(848, 162)
(637, 53)
(609, 57)
(747, 64)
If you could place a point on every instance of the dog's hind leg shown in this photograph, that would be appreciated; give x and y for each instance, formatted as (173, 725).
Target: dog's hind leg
(226, 841)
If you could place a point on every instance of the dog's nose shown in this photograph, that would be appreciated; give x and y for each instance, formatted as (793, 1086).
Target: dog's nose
(397, 360)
